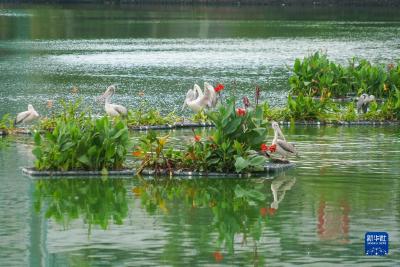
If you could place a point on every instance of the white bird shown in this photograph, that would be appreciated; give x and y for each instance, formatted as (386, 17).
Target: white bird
(363, 102)
(213, 95)
(197, 100)
(26, 116)
(112, 110)
(283, 148)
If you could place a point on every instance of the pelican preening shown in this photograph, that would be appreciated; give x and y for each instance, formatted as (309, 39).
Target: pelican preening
(112, 110)
(197, 100)
(283, 148)
(363, 102)
(26, 116)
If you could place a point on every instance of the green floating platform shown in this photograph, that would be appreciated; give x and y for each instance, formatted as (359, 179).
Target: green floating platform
(269, 168)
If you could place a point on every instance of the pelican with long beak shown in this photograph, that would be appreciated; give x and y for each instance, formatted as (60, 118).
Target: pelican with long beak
(27, 116)
(113, 110)
(197, 100)
(283, 148)
(363, 102)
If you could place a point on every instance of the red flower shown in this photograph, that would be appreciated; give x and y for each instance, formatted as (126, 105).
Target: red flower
(197, 138)
(137, 153)
(264, 147)
(271, 211)
(263, 212)
(272, 148)
(219, 87)
(218, 256)
(240, 111)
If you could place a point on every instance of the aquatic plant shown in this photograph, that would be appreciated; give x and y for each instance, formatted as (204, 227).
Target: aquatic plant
(146, 115)
(200, 117)
(307, 108)
(79, 142)
(349, 113)
(274, 113)
(71, 110)
(6, 123)
(316, 73)
(231, 147)
(150, 116)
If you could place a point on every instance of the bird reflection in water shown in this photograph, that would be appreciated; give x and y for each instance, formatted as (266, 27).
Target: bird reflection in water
(279, 186)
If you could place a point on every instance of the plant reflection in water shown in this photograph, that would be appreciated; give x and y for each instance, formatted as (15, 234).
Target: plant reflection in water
(237, 208)
(227, 212)
(96, 201)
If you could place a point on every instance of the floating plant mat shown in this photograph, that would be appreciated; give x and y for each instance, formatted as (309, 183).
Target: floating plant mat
(342, 123)
(132, 128)
(194, 125)
(32, 172)
(343, 99)
(269, 168)
(170, 126)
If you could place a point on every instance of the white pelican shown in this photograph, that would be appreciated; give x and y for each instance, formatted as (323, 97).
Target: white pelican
(213, 95)
(112, 110)
(26, 116)
(363, 102)
(283, 148)
(197, 100)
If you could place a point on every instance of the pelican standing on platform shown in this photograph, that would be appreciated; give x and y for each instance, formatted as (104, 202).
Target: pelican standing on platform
(363, 102)
(27, 116)
(112, 110)
(283, 148)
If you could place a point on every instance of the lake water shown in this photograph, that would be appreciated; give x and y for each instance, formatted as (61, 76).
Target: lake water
(346, 181)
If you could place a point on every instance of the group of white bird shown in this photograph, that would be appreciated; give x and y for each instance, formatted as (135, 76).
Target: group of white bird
(112, 110)
(198, 100)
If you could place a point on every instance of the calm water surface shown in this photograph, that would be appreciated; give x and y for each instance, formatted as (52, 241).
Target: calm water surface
(342, 187)
(346, 181)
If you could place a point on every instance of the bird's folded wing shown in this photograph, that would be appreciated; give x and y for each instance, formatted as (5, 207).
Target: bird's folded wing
(22, 116)
(286, 146)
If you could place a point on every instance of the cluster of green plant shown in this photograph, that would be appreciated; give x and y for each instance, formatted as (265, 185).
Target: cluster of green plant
(307, 108)
(316, 73)
(200, 117)
(6, 123)
(145, 115)
(238, 207)
(79, 142)
(96, 201)
(231, 147)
